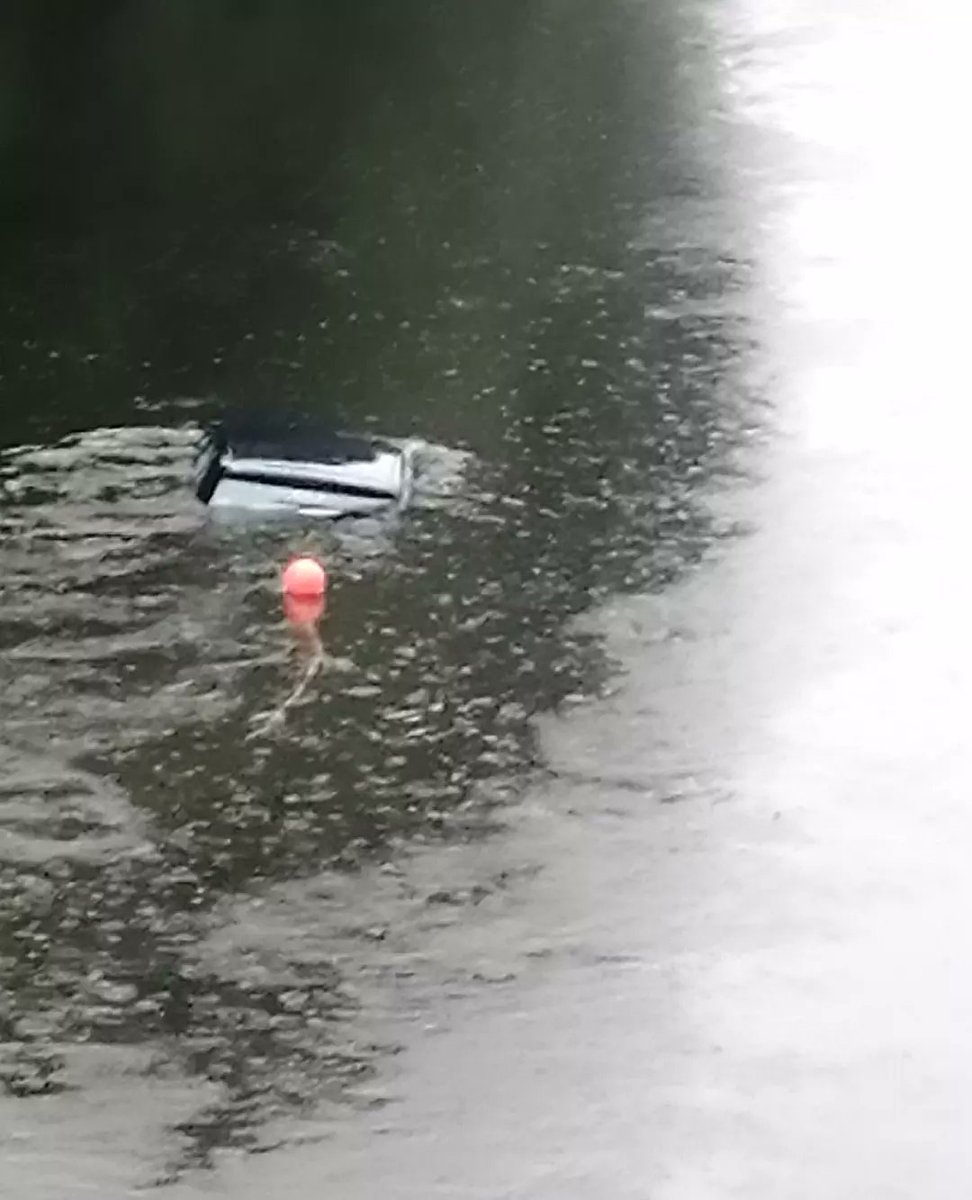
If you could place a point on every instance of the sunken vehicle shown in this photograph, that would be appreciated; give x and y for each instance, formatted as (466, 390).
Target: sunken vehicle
(302, 470)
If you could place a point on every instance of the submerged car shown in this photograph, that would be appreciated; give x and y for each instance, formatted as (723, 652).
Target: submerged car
(303, 470)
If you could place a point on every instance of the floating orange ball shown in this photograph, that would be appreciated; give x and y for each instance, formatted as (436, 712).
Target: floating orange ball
(304, 578)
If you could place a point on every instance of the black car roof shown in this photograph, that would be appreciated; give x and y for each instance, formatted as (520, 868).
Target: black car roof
(287, 438)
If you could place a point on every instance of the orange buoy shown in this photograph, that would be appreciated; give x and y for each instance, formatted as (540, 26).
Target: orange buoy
(304, 579)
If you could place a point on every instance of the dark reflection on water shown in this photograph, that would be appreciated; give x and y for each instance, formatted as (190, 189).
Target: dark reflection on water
(524, 252)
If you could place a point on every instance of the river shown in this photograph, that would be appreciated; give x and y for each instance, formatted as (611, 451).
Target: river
(625, 854)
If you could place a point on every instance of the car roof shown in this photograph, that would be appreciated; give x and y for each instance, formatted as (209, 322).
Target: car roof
(289, 438)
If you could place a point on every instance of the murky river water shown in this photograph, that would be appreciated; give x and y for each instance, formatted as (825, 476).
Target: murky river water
(525, 234)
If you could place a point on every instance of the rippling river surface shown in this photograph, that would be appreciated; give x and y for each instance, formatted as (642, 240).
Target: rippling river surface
(526, 234)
